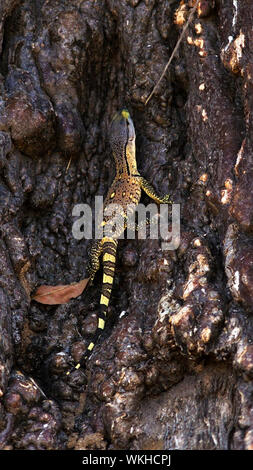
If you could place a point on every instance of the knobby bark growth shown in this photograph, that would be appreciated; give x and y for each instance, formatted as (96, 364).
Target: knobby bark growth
(175, 371)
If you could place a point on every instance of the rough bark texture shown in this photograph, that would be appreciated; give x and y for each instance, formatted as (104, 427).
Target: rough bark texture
(176, 371)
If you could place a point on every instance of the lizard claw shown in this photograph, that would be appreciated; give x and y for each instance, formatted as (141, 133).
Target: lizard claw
(166, 199)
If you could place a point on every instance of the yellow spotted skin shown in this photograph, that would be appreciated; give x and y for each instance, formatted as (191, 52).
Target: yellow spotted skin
(125, 190)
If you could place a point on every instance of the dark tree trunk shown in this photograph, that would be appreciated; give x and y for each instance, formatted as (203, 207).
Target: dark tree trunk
(175, 372)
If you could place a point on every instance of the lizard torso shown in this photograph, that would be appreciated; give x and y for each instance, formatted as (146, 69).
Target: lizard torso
(124, 191)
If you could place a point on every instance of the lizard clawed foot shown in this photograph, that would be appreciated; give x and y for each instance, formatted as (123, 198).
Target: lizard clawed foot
(166, 199)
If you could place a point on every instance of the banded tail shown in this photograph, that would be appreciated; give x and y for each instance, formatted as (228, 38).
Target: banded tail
(109, 248)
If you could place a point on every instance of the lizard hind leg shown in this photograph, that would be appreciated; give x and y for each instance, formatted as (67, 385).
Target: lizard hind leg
(94, 254)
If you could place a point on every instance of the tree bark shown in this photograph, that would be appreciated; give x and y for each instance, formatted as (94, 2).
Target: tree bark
(174, 367)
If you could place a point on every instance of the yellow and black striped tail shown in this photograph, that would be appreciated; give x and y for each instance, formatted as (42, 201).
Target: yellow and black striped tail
(109, 248)
(109, 258)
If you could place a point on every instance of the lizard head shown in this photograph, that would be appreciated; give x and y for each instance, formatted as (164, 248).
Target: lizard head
(122, 140)
(121, 131)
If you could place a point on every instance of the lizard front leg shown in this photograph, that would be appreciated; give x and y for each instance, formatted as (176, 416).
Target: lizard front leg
(150, 191)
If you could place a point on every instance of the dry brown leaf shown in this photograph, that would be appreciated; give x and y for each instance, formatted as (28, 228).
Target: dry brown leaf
(53, 295)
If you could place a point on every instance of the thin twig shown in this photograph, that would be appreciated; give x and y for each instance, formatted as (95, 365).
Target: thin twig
(174, 52)
(69, 163)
